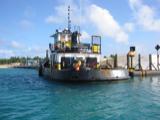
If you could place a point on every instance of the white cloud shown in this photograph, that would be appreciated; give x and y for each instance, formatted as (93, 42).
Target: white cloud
(34, 51)
(1, 42)
(53, 19)
(106, 24)
(15, 48)
(4, 53)
(140, 48)
(26, 24)
(129, 27)
(145, 15)
(50, 19)
(18, 48)
(61, 13)
(16, 45)
(85, 36)
(135, 4)
(11, 44)
(29, 12)
(91, 15)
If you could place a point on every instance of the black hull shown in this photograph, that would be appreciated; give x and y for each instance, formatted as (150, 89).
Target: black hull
(85, 75)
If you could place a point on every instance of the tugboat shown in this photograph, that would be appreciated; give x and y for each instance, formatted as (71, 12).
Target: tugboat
(68, 59)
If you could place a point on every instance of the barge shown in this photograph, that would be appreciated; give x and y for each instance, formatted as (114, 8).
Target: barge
(68, 59)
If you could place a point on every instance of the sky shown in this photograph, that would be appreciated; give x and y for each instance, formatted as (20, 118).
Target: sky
(26, 25)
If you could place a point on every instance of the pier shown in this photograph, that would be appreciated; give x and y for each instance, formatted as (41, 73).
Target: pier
(144, 65)
(137, 64)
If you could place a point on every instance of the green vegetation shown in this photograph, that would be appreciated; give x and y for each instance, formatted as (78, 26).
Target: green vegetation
(17, 60)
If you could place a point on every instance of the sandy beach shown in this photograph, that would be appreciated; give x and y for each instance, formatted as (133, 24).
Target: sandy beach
(9, 65)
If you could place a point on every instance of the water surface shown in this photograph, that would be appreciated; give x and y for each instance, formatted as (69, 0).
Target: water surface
(25, 96)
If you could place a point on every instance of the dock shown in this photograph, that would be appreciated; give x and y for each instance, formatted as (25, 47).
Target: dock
(144, 73)
(136, 64)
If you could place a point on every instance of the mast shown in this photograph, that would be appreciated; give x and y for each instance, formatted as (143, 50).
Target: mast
(69, 20)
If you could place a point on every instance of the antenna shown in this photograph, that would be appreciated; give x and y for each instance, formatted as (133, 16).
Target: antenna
(69, 20)
(80, 12)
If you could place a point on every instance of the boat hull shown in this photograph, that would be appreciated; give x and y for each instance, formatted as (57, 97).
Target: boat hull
(86, 75)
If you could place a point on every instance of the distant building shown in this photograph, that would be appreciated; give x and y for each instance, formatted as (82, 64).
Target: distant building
(32, 62)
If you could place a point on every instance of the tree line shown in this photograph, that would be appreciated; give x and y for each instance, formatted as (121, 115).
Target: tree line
(22, 60)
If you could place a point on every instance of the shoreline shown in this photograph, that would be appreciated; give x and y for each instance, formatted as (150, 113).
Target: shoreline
(12, 65)
(16, 65)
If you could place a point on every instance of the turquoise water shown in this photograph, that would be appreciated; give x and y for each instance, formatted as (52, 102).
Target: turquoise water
(25, 96)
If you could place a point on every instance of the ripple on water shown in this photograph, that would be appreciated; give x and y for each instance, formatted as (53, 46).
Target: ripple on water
(24, 95)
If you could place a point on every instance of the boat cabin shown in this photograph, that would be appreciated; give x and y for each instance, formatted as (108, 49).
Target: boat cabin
(67, 51)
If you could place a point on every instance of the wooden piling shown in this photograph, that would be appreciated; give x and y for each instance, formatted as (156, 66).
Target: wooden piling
(157, 61)
(150, 62)
(115, 61)
(128, 61)
(139, 62)
(47, 55)
(131, 62)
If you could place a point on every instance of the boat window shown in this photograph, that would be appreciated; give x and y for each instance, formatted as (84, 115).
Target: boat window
(66, 62)
(91, 62)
